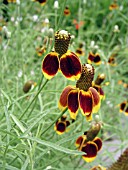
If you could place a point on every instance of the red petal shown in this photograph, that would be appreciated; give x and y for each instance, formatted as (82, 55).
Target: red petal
(98, 142)
(70, 66)
(96, 99)
(50, 65)
(63, 98)
(91, 151)
(79, 141)
(85, 101)
(73, 104)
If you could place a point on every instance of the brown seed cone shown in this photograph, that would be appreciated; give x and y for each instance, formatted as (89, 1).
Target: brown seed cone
(93, 131)
(121, 163)
(87, 75)
(62, 40)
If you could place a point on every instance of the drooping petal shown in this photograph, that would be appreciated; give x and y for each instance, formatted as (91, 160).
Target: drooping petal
(73, 104)
(70, 66)
(63, 98)
(91, 151)
(126, 111)
(98, 142)
(89, 117)
(79, 141)
(60, 127)
(50, 65)
(85, 102)
(122, 106)
(100, 91)
(96, 99)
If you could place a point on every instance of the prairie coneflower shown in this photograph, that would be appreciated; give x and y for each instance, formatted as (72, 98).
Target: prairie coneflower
(79, 50)
(83, 96)
(94, 58)
(66, 11)
(112, 60)
(40, 50)
(61, 125)
(113, 6)
(90, 143)
(61, 59)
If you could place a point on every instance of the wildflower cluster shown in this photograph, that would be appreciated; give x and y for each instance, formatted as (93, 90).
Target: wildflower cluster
(85, 95)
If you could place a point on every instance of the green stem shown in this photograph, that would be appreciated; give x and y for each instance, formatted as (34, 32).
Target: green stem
(61, 14)
(54, 121)
(35, 99)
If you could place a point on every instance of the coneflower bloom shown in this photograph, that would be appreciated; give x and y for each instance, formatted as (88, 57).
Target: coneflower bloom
(90, 143)
(61, 59)
(79, 50)
(61, 125)
(66, 11)
(113, 6)
(112, 60)
(82, 96)
(40, 50)
(94, 58)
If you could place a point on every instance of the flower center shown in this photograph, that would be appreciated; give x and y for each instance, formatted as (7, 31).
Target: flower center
(62, 40)
(86, 78)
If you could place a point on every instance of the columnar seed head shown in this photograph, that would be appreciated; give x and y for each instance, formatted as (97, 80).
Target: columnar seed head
(87, 75)
(62, 40)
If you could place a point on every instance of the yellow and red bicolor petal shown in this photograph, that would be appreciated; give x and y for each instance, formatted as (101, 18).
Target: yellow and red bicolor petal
(67, 123)
(73, 104)
(60, 127)
(100, 91)
(98, 142)
(79, 141)
(95, 99)
(50, 65)
(91, 57)
(70, 66)
(85, 102)
(122, 106)
(63, 97)
(89, 117)
(97, 59)
(91, 151)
